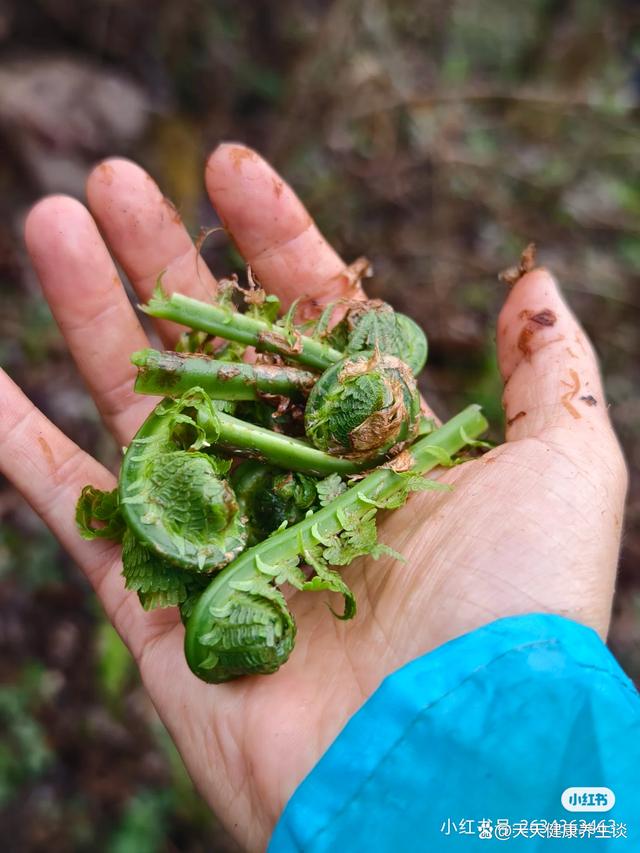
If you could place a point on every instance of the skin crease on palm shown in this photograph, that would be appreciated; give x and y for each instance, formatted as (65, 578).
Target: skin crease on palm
(534, 525)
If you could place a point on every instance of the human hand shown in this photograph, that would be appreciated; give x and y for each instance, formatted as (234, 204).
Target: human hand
(533, 525)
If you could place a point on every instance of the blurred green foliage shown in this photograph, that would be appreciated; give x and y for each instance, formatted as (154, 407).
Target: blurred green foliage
(143, 825)
(32, 561)
(24, 752)
(114, 662)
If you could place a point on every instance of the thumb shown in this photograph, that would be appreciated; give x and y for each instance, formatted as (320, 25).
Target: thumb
(552, 387)
(558, 431)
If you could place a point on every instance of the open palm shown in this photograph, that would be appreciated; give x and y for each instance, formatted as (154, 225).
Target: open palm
(534, 525)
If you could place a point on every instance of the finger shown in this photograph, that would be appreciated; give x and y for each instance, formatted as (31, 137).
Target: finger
(552, 381)
(274, 232)
(276, 235)
(88, 301)
(50, 471)
(146, 235)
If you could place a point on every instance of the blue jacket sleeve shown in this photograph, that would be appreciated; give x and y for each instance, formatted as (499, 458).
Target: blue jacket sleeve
(473, 745)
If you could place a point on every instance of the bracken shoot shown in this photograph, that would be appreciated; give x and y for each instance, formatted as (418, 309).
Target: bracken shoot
(328, 419)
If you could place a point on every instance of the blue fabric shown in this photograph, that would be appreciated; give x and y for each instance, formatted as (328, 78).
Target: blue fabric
(493, 725)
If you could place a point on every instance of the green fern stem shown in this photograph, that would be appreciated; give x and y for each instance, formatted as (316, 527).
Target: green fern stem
(233, 326)
(242, 438)
(173, 373)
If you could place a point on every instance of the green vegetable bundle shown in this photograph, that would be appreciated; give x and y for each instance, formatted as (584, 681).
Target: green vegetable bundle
(266, 462)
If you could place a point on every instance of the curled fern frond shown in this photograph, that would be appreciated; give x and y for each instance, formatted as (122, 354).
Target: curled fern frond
(363, 407)
(98, 514)
(373, 324)
(218, 536)
(270, 497)
(250, 631)
(173, 495)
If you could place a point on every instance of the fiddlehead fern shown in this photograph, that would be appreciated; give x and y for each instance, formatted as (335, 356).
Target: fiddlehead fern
(173, 496)
(269, 497)
(98, 514)
(218, 544)
(368, 325)
(340, 531)
(251, 633)
(363, 406)
(372, 324)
